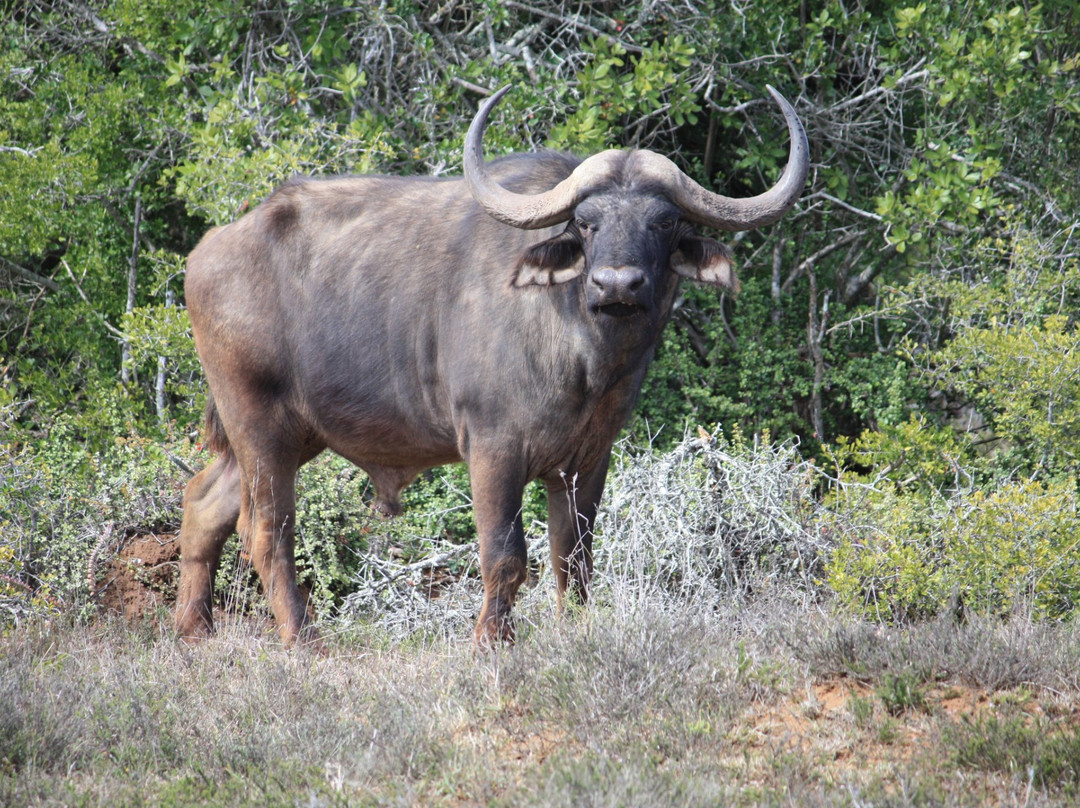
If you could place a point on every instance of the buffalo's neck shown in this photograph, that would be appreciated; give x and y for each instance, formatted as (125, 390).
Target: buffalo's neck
(617, 350)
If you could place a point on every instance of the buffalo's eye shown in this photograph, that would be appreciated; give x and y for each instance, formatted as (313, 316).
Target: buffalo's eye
(584, 226)
(664, 225)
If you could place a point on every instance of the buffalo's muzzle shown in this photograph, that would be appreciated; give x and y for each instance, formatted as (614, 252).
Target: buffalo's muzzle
(619, 291)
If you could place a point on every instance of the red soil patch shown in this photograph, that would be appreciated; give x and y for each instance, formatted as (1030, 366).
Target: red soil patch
(140, 576)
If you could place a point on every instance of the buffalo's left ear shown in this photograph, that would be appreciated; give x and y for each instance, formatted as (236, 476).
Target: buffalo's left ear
(556, 260)
(706, 260)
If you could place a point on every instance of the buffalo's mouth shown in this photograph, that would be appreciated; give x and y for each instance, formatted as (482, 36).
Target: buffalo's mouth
(618, 309)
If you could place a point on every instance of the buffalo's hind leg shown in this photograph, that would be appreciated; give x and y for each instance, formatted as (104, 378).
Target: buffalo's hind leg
(267, 529)
(211, 511)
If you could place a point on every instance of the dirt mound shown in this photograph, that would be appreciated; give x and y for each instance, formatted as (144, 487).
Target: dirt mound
(140, 576)
(136, 575)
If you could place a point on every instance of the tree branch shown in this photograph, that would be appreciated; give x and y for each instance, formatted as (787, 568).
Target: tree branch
(20, 150)
(573, 21)
(116, 332)
(468, 85)
(809, 261)
(913, 74)
(842, 204)
(27, 274)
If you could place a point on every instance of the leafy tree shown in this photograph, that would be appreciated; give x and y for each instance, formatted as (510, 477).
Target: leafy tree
(937, 132)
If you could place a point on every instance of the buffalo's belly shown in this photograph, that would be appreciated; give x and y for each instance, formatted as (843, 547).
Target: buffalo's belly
(374, 439)
(392, 459)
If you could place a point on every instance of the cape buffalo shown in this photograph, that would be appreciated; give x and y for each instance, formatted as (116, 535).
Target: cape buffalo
(505, 320)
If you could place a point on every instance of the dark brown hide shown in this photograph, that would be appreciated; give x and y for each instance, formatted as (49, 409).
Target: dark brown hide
(395, 322)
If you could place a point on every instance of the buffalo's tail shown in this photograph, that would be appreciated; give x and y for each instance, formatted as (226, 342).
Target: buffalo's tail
(214, 432)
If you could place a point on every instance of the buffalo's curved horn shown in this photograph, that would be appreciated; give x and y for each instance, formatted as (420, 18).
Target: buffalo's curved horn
(725, 213)
(527, 211)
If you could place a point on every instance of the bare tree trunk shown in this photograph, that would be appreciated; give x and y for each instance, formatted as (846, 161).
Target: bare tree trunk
(815, 336)
(777, 265)
(125, 351)
(159, 383)
(710, 146)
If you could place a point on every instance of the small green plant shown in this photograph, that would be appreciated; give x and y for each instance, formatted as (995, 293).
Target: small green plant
(862, 710)
(889, 731)
(902, 692)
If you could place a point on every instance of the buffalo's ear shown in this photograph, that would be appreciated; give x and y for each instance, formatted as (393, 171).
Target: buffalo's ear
(706, 260)
(556, 260)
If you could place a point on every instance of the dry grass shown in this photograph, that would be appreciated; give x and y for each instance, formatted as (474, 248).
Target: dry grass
(765, 704)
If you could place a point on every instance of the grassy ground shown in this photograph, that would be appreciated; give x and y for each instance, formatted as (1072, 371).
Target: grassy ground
(766, 704)
(710, 669)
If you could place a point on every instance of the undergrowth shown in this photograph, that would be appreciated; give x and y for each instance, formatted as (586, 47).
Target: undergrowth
(713, 520)
(610, 706)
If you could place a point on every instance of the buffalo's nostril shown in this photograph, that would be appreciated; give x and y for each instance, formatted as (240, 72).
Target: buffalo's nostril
(605, 278)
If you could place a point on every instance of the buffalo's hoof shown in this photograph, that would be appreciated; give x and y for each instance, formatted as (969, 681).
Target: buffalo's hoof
(192, 627)
(494, 633)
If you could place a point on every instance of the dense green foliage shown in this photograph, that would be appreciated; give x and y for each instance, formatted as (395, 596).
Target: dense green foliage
(932, 267)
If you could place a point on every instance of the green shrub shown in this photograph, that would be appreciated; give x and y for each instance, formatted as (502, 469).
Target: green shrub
(922, 524)
(62, 506)
(1044, 752)
(909, 555)
(901, 692)
(1026, 379)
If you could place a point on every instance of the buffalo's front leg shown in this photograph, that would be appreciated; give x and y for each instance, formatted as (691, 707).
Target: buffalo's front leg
(497, 487)
(573, 500)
